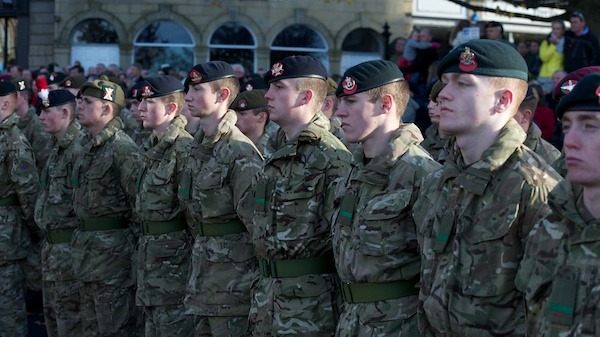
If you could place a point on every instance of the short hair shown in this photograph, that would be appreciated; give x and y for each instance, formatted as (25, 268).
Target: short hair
(317, 85)
(529, 103)
(177, 98)
(399, 90)
(231, 83)
(517, 85)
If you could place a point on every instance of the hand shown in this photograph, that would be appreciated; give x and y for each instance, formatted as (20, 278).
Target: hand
(436, 44)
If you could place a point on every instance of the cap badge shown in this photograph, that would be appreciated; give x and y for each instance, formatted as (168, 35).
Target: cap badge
(52, 75)
(598, 94)
(467, 60)
(277, 69)
(249, 87)
(134, 93)
(46, 102)
(68, 84)
(349, 85)
(568, 86)
(242, 104)
(108, 93)
(147, 91)
(21, 85)
(195, 76)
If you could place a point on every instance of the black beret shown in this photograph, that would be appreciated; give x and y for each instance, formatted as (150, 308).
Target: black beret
(7, 88)
(73, 81)
(584, 97)
(208, 72)
(251, 99)
(55, 77)
(159, 86)
(485, 57)
(134, 91)
(255, 83)
(58, 97)
(22, 84)
(368, 75)
(568, 82)
(296, 66)
(104, 89)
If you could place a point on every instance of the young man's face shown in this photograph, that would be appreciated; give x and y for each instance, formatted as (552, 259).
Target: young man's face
(582, 146)
(282, 96)
(359, 116)
(466, 103)
(247, 121)
(54, 119)
(134, 107)
(433, 109)
(89, 110)
(153, 113)
(577, 25)
(201, 99)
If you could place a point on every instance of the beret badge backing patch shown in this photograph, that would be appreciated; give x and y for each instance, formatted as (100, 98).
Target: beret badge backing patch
(568, 86)
(195, 76)
(467, 61)
(349, 85)
(277, 69)
(242, 104)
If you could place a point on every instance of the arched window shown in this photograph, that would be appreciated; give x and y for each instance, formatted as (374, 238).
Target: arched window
(233, 43)
(94, 41)
(164, 42)
(299, 40)
(360, 45)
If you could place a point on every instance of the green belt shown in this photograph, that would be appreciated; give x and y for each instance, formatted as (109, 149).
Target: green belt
(296, 267)
(371, 292)
(59, 236)
(103, 224)
(234, 226)
(13, 200)
(162, 227)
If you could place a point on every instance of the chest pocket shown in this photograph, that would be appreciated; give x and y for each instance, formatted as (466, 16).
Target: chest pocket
(385, 225)
(491, 251)
(101, 178)
(158, 188)
(59, 188)
(213, 191)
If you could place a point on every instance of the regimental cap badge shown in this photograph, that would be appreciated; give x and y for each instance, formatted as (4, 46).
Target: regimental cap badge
(46, 102)
(467, 61)
(195, 76)
(68, 84)
(349, 85)
(277, 69)
(52, 76)
(249, 87)
(568, 86)
(242, 104)
(598, 94)
(108, 93)
(134, 93)
(147, 91)
(21, 85)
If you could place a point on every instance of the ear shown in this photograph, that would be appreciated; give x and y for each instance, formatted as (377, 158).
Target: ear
(505, 101)
(328, 104)
(308, 96)
(65, 114)
(387, 103)
(262, 116)
(224, 94)
(527, 115)
(170, 108)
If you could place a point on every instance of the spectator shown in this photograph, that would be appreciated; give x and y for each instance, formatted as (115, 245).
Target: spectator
(398, 50)
(581, 46)
(456, 38)
(534, 63)
(543, 116)
(552, 55)
(494, 31)
(417, 44)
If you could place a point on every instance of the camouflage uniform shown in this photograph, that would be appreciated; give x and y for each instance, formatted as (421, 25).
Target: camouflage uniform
(375, 240)
(19, 183)
(544, 149)
(297, 293)
(102, 247)
(560, 272)
(560, 165)
(434, 143)
(131, 126)
(216, 194)
(54, 213)
(472, 224)
(164, 247)
(39, 139)
(265, 143)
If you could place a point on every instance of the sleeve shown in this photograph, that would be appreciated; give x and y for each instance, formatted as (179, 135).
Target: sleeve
(335, 174)
(130, 164)
(547, 50)
(244, 176)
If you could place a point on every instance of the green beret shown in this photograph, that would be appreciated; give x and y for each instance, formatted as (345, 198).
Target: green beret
(435, 90)
(105, 90)
(22, 84)
(7, 88)
(296, 66)
(251, 99)
(73, 81)
(584, 97)
(485, 57)
(368, 75)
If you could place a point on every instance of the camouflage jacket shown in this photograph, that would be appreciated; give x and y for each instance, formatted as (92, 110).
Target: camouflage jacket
(18, 179)
(54, 206)
(164, 259)
(540, 146)
(560, 272)
(434, 143)
(217, 189)
(265, 143)
(40, 140)
(472, 224)
(375, 239)
(103, 181)
(292, 220)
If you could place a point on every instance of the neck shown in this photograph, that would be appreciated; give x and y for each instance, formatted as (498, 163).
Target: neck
(379, 140)
(159, 130)
(210, 123)
(328, 113)
(192, 125)
(94, 130)
(61, 134)
(298, 120)
(472, 146)
(255, 134)
(22, 110)
(591, 200)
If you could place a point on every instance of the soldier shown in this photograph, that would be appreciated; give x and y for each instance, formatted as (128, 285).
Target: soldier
(30, 125)
(103, 194)
(216, 193)
(329, 107)
(436, 141)
(560, 270)
(374, 236)
(131, 116)
(473, 215)
(19, 184)
(55, 215)
(73, 83)
(534, 138)
(253, 120)
(296, 292)
(164, 246)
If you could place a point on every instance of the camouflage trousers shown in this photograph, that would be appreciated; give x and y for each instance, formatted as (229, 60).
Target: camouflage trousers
(108, 310)
(13, 316)
(32, 267)
(377, 319)
(167, 321)
(61, 308)
(220, 326)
